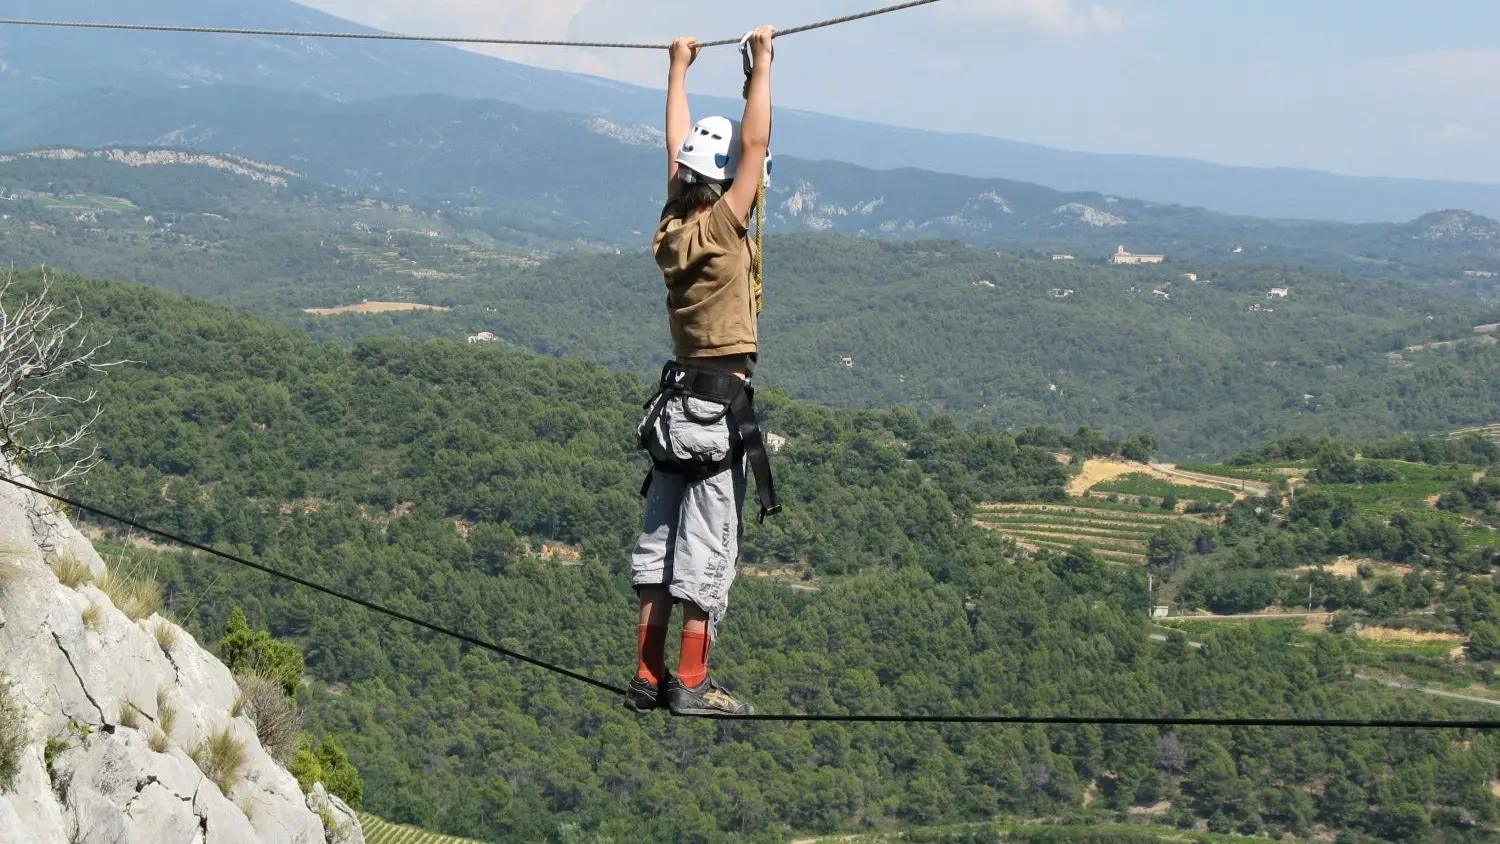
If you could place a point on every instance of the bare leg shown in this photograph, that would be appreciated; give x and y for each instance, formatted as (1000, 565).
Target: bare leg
(694, 619)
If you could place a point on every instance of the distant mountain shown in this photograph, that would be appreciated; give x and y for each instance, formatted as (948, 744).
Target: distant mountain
(565, 177)
(38, 66)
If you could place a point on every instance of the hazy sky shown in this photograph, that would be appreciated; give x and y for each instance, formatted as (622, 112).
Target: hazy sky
(1365, 87)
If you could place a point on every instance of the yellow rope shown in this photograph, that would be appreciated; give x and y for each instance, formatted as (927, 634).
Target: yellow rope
(758, 263)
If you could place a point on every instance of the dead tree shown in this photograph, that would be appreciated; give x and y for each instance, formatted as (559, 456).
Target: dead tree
(39, 349)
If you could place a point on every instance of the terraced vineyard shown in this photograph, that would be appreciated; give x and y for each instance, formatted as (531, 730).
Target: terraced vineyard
(1115, 534)
(378, 831)
(1490, 432)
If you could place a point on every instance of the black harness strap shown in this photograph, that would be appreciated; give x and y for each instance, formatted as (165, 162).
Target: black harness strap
(681, 383)
(742, 417)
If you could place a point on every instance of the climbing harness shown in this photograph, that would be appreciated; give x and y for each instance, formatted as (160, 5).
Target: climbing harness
(737, 399)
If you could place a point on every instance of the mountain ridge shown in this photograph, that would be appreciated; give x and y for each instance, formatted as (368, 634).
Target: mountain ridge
(41, 66)
(599, 179)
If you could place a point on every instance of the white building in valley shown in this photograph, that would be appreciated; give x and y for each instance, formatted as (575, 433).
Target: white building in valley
(1122, 257)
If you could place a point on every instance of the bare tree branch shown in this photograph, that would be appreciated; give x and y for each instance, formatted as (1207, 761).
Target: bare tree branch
(38, 351)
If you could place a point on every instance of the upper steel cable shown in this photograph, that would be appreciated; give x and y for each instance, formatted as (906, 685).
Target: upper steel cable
(445, 39)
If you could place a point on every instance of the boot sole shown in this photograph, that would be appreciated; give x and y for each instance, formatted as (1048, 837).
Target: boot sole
(708, 710)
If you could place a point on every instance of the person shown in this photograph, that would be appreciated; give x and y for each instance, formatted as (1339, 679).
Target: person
(700, 428)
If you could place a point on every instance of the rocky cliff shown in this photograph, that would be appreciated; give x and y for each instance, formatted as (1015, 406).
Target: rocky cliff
(120, 729)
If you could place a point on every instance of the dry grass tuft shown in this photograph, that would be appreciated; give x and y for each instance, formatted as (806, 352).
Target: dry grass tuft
(166, 719)
(93, 617)
(278, 722)
(221, 757)
(72, 572)
(133, 591)
(11, 570)
(130, 715)
(166, 635)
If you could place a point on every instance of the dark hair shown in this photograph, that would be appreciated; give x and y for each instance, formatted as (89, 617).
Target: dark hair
(690, 196)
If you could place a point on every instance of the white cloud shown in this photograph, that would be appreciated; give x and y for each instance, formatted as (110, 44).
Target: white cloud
(1063, 18)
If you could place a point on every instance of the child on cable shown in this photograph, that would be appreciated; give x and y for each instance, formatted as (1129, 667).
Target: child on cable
(701, 429)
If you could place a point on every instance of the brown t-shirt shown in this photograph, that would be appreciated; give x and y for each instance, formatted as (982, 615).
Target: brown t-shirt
(705, 262)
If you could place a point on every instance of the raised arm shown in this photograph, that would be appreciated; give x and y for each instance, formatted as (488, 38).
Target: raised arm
(679, 116)
(755, 129)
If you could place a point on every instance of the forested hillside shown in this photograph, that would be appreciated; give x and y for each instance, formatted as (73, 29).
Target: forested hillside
(494, 491)
(1205, 356)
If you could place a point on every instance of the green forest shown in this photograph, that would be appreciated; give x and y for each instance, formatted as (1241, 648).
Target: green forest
(1431, 507)
(443, 479)
(1208, 366)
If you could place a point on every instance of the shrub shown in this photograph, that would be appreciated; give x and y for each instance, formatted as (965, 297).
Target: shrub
(328, 764)
(56, 746)
(276, 717)
(1342, 622)
(12, 735)
(1484, 641)
(221, 757)
(254, 651)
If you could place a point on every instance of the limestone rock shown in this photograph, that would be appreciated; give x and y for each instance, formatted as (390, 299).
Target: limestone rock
(344, 827)
(98, 697)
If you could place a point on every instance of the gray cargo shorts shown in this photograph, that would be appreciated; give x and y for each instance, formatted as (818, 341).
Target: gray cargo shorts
(691, 539)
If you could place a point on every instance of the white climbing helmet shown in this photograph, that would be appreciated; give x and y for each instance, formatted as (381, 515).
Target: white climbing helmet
(711, 152)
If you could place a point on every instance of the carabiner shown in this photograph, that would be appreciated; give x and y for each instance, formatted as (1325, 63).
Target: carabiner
(745, 54)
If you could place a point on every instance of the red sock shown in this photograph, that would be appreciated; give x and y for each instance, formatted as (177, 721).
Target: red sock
(651, 660)
(692, 669)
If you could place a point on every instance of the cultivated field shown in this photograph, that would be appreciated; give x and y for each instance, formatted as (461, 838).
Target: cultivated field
(1102, 477)
(378, 831)
(1140, 484)
(1115, 534)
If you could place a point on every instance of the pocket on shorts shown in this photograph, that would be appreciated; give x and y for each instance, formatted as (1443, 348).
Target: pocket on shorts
(690, 439)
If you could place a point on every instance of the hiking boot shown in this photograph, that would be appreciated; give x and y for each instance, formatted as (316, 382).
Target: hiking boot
(708, 699)
(641, 696)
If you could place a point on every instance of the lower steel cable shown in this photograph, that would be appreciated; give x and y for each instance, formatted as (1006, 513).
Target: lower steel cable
(1063, 720)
